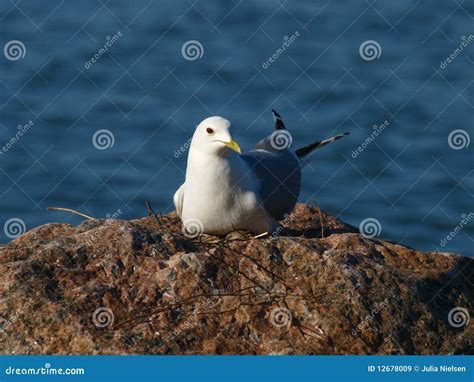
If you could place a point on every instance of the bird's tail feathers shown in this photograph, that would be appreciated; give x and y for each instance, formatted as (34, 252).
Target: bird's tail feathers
(306, 150)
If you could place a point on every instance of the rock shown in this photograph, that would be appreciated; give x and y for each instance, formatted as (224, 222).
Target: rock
(142, 287)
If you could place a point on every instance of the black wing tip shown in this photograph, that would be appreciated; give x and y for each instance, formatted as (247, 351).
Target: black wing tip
(339, 136)
(303, 151)
(279, 125)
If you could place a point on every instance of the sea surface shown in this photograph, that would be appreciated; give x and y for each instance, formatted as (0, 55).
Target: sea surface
(98, 101)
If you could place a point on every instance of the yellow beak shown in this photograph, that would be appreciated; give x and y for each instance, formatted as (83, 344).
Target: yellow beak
(233, 145)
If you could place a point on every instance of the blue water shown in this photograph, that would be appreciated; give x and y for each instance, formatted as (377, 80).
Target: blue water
(150, 98)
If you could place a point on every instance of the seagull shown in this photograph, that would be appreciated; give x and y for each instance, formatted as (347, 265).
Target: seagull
(227, 190)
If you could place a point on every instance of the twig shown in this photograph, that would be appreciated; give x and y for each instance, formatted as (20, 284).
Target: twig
(146, 313)
(72, 211)
(151, 212)
(273, 274)
(236, 269)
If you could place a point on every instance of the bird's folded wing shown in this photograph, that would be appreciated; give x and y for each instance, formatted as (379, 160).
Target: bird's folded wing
(279, 175)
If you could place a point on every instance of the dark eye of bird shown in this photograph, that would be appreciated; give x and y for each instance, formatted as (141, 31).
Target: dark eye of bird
(209, 130)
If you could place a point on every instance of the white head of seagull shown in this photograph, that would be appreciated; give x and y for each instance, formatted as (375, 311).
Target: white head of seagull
(212, 137)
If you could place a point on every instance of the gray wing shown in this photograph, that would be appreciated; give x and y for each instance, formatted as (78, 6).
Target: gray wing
(280, 176)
